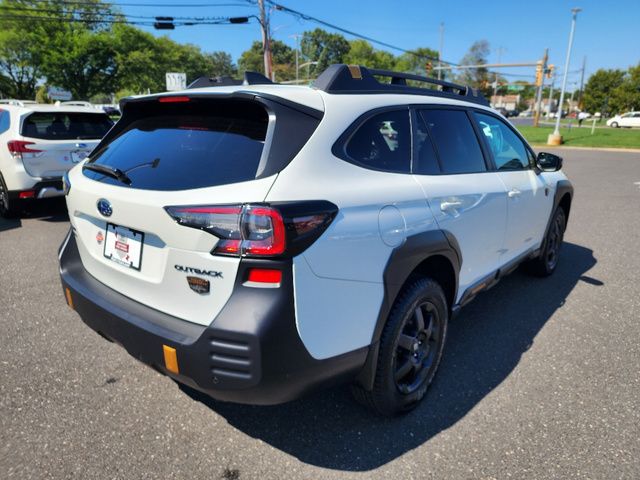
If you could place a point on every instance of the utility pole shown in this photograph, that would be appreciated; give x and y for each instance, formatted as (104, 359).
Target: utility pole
(440, 50)
(495, 82)
(540, 69)
(555, 138)
(584, 65)
(297, 38)
(553, 80)
(266, 41)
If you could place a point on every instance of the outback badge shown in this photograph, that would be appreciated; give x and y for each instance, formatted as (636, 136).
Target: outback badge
(199, 285)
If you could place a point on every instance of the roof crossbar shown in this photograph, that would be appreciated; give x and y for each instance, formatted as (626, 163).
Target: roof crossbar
(345, 79)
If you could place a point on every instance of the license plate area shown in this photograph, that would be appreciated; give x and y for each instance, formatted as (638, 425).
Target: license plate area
(78, 155)
(123, 246)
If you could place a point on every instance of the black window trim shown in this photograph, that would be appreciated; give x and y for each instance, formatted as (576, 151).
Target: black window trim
(339, 148)
(487, 158)
(515, 131)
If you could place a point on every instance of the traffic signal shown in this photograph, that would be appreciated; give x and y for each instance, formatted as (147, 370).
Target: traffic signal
(428, 67)
(550, 70)
(164, 23)
(539, 72)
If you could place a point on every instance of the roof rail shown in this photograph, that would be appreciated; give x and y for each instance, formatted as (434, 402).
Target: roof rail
(343, 79)
(17, 103)
(250, 78)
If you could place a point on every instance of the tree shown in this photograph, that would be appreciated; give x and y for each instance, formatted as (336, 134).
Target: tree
(416, 61)
(283, 60)
(363, 53)
(220, 64)
(85, 66)
(476, 77)
(599, 90)
(626, 96)
(323, 47)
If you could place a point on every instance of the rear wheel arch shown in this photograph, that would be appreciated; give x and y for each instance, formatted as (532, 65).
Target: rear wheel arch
(433, 254)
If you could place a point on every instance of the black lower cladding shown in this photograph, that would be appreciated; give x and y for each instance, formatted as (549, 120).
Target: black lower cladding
(251, 353)
(56, 183)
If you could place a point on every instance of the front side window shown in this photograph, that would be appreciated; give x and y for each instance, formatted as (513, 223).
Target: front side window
(455, 141)
(383, 142)
(509, 152)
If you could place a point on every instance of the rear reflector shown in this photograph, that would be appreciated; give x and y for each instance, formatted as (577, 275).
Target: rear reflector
(27, 194)
(173, 99)
(263, 275)
(67, 294)
(170, 359)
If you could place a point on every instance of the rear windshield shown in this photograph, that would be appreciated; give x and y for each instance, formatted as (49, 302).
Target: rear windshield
(66, 126)
(182, 146)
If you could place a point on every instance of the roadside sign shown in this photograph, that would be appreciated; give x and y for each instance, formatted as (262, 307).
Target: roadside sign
(56, 93)
(176, 81)
(515, 88)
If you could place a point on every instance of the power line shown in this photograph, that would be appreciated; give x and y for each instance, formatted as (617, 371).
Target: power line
(221, 21)
(306, 17)
(62, 13)
(154, 5)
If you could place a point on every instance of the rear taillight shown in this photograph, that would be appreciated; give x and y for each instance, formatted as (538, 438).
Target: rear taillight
(245, 230)
(258, 230)
(20, 146)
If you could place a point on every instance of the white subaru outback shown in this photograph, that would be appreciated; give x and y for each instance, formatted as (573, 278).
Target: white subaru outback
(258, 241)
(39, 143)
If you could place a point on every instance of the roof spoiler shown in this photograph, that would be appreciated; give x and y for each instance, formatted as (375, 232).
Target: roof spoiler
(250, 78)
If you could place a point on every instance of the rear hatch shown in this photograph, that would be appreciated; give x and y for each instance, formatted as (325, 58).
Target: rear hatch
(200, 153)
(55, 141)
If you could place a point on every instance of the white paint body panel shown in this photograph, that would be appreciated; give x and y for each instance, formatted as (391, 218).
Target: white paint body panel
(166, 244)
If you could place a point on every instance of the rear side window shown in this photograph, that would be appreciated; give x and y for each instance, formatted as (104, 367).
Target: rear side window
(4, 121)
(455, 141)
(509, 152)
(383, 142)
(66, 126)
(186, 146)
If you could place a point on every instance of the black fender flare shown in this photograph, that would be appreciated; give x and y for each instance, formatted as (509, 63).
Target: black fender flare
(402, 262)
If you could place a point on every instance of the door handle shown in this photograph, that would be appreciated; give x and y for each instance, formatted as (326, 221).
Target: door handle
(450, 206)
(514, 193)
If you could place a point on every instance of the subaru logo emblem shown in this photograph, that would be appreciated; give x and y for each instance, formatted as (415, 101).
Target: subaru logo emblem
(104, 207)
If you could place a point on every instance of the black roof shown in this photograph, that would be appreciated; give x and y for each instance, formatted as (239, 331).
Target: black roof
(354, 79)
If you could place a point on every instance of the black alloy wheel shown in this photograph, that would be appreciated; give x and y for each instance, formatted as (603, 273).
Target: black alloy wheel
(410, 349)
(417, 349)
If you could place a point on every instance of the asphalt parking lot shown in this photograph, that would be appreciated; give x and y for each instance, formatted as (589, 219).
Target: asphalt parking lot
(540, 379)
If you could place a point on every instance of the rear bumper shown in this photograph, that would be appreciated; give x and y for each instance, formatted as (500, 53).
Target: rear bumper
(44, 189)
(251, 353)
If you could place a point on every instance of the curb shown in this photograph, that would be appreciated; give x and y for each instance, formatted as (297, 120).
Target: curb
(597, 149)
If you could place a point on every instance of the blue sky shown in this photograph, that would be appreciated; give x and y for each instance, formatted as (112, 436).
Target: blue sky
(607, 32)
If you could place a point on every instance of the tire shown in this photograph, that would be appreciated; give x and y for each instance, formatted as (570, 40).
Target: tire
(411, 347)
(614, 125)
(8, 208)
(545, 264)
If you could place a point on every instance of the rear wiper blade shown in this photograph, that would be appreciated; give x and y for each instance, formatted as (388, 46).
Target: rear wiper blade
(110, 171)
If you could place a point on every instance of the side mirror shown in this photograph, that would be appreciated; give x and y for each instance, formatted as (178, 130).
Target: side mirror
(548, 162)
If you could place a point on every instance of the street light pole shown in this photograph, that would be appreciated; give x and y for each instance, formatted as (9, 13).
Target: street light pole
(555, 138)
(440, 50)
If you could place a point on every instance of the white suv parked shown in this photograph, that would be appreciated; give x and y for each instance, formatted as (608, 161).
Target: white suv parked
(258, 241)
(39, 143)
